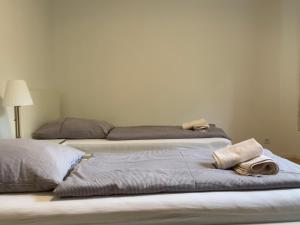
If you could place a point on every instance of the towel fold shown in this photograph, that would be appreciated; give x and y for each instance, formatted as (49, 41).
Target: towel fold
(261, 165)
(196, 125)
(232, 155)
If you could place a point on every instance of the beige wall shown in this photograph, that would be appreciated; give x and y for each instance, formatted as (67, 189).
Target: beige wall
(157, 62)
(266, 110)
(24, 47)
(289, 136)
(130, 62)
(164, 62)
(279, 75)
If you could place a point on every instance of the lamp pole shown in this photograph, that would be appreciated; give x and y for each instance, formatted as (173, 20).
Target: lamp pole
(17, 121)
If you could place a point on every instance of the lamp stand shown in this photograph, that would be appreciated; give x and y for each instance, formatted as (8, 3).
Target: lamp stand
(17, 121)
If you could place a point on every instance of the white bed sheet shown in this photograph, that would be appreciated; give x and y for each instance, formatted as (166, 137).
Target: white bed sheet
(159, 209)
(185, 208)
(103, 145)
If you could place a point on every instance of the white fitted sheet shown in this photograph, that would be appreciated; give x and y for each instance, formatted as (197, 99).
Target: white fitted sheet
(183, 208)
(103, 145)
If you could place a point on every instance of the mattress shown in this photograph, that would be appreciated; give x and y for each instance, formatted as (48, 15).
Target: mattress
(232, 207)
(161, 209)
(103, 145)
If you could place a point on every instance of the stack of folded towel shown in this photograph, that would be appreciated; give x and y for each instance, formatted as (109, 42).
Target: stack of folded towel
(196, 125)
(246, 159)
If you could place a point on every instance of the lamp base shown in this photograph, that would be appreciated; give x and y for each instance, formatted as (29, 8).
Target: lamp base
(17, 121)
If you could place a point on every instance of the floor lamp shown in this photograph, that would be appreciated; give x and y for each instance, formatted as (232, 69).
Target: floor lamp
(17, 94)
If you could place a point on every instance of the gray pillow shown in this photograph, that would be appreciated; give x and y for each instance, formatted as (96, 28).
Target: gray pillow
(73, 128)
(32, 165)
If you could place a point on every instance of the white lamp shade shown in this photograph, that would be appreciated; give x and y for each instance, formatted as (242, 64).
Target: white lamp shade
(17, 94)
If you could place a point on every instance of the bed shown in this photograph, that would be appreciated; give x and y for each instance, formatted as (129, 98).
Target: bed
(231, 207)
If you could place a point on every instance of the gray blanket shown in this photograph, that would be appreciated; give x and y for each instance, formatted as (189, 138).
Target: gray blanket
(163, 132)
(176, 170)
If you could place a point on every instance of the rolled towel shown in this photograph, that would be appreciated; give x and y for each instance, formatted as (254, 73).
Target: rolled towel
(195, 125)
(261, 165)
(234, 154)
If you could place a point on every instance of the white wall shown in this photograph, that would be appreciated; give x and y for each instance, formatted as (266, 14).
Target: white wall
(266, 110)
(278, 69)
(289, 136)
(233, 62)
(157, 62)
(24, 47)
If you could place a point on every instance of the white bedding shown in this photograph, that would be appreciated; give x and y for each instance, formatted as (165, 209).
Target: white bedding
(185, 208)
(103, 145)
(160, 209)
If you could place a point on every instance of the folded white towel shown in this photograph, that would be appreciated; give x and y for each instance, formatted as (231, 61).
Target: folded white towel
(261, 165)
(196, 124)
(234, 154)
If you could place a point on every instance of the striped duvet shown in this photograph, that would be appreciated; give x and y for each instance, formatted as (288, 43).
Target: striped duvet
(166, 171)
